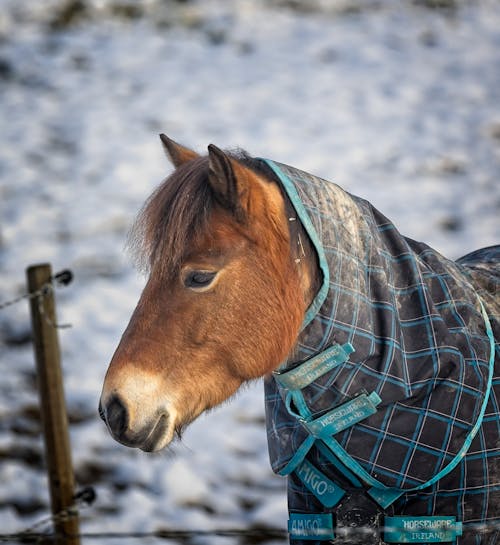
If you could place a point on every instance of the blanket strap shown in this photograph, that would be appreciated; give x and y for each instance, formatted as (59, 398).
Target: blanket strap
(320, 433)
(297, 378)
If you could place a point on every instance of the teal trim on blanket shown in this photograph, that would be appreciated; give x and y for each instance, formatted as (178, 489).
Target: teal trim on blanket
(311, 231)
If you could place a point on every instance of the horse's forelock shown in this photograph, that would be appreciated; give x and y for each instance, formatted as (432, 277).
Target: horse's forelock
(171, 217)
(177, 211)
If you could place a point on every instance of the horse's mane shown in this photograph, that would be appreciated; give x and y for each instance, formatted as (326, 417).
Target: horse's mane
(176, 212)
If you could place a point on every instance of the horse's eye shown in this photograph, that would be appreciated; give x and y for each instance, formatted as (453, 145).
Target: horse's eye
(199, 279)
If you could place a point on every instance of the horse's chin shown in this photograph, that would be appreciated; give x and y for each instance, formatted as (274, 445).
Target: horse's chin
(169, 430)
(161, 436)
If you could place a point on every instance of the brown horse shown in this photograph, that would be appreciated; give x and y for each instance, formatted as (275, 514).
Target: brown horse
(224, 301)
(258, 269)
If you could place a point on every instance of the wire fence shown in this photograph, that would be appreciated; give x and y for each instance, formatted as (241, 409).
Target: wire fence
(42, 533)
(62, 278)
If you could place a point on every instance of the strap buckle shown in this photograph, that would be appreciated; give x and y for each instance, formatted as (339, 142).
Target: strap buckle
(358, 519)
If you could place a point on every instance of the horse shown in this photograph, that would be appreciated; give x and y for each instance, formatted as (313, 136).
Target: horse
(378, 354)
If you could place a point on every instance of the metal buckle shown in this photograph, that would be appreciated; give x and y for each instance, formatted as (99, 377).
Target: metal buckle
(358, 520)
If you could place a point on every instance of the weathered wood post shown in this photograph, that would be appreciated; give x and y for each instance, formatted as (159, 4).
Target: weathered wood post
(52, 405)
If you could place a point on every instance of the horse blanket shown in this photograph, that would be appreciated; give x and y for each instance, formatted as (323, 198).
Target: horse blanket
(418, 330)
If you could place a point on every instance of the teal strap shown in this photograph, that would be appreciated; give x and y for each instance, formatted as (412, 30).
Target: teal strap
(340, 418)
(401, 529)
(301, 376)
(344, 416)
(421, 529)
(328, 454)
(327, 492)
(295, 400)
(351, 463)
(306, 526)
(322, 428)
(298, 456)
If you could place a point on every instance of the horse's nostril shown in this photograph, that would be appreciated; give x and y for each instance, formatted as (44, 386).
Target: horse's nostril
(145, 432)
(116, 416)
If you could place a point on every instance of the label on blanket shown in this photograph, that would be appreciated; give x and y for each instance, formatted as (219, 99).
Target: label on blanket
(344, 416)
(301, 376)
(317, 527)
(327, 492)
(421, 529)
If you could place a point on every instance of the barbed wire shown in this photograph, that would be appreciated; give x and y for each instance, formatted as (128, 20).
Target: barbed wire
(62, 278)
(84, 498)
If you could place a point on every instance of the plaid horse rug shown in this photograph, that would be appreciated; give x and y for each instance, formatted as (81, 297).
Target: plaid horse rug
(385, 419)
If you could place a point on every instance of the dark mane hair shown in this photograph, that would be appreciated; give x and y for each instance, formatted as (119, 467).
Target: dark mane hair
(176, 212)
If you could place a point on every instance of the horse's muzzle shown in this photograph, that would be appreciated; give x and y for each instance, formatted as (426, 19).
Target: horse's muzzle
(147, 436)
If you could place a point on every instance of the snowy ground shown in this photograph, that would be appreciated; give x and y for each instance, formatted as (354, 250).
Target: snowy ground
(396, 102)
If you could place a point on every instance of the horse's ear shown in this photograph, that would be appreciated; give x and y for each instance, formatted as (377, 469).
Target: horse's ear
(228, 181)
(177, 154)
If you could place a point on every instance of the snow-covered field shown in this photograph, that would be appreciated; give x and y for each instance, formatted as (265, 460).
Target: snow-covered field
(396, 102)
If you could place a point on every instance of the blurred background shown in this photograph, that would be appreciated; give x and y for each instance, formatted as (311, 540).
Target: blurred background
(396, 101)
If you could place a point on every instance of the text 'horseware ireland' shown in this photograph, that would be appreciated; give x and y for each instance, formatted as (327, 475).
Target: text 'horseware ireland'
(386, 416)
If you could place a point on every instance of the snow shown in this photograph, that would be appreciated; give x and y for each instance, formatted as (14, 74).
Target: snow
(395, 102)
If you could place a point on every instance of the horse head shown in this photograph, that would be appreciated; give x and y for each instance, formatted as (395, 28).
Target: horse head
(224, 300)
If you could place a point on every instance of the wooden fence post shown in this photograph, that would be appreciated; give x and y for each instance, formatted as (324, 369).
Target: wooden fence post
(52, 405)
